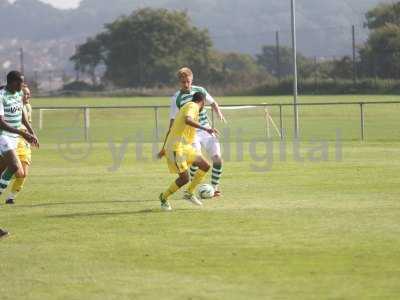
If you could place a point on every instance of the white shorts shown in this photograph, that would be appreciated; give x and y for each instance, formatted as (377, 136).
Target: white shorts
(7, 143)
(208, 142)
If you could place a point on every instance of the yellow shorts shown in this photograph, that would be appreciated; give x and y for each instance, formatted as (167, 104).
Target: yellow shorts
(24, 152)
(181, 158)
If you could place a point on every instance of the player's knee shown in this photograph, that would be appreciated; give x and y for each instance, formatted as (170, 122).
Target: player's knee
(184, 178)
(14, 168)
(204, 165)
(20, 173)
(217, 160)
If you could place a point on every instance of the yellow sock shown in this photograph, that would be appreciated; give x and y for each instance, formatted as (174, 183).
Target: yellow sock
(171, 190)
(17, 185)
(197, 179)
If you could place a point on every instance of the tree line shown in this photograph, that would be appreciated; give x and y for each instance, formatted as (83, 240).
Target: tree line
(146, 48)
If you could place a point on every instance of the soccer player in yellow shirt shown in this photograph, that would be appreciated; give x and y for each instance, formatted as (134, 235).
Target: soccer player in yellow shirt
(203, 140)
(180, 153)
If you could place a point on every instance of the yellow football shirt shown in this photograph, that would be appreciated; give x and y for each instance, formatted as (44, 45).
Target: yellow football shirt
(28, 110)
(23, 147)
(182, 134)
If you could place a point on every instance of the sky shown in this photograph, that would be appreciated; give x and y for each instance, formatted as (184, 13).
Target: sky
(61, 3)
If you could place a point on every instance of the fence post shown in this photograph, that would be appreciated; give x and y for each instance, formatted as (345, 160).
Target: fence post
(267, 131)
(278, 56)
(353, 31)
(156, 122)
(362, 120)
(281, 121)
(86, 122)
(40, 119)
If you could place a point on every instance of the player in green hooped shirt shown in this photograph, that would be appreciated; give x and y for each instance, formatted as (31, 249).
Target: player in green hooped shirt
(11, 118)
(204, 141)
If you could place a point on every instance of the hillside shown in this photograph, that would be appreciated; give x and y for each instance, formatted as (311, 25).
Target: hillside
(229, 21)
(235, 25)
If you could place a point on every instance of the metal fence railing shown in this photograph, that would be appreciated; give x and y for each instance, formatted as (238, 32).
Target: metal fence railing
(260, 120)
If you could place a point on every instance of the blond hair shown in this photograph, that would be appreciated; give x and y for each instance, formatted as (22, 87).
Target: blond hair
(26, 89)
(184, 72)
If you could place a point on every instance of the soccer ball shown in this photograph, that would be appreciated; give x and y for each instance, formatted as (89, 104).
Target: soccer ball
(205, 191)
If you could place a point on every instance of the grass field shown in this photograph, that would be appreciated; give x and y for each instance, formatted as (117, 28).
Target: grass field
(300, 230)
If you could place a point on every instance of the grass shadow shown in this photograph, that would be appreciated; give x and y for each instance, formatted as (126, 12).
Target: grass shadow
(81, 203)
(105, 214)
(84, 203)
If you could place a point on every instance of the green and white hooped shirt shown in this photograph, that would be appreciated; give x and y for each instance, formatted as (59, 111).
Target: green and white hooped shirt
(11, 108)
(181, 98)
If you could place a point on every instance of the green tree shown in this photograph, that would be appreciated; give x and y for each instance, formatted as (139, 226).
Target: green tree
(269, 60)
(380, 56)
(147, 47)
(88, 57)
(236, 70)
(382, 15)
(342, 68)
(234, 62)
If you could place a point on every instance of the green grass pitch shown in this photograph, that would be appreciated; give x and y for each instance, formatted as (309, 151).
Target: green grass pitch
(306, 229)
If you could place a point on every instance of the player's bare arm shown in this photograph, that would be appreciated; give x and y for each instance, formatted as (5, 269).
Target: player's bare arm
(162, 151)
(28, 126)
(218, 111)
(189, 121)
(27, 136)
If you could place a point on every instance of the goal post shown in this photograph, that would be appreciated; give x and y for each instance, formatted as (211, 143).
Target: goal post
(86, 118)
(270, 124)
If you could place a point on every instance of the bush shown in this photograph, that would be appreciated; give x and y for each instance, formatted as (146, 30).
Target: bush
(327, 86)
(79, 86)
